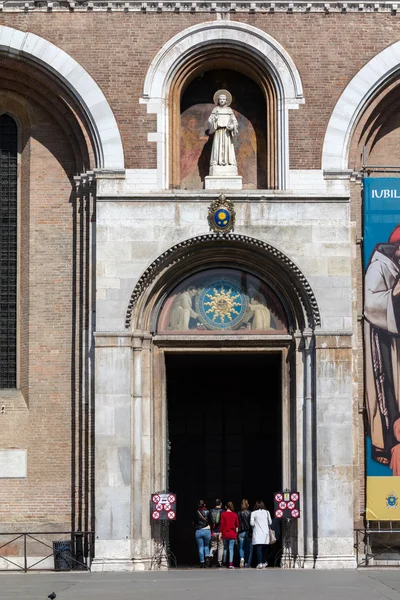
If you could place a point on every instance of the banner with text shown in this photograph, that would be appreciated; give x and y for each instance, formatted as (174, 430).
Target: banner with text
(382, 345)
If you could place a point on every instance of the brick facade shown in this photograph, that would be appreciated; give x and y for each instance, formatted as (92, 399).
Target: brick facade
(52, 412)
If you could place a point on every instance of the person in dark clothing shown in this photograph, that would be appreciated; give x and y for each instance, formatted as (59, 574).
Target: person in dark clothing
(244, 537)
(217, 545)
(229, 529)
(275, 549)
(202, 525)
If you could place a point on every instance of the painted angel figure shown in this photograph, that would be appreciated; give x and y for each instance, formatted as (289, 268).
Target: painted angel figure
(224, 125)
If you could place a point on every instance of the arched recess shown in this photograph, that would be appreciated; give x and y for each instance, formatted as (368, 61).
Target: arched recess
(240, 61)
(221, 44)
(233, 250)
(84, 90)
(378, 130)
(356, 97)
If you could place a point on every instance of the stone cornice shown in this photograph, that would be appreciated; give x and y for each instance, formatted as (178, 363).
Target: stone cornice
(258, 6)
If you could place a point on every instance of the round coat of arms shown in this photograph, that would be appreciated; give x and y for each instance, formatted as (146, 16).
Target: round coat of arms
(222, 218)
(221, 304)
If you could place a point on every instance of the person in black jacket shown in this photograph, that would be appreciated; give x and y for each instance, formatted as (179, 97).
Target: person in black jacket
(217, 544)
(245, 544)
(202, 525)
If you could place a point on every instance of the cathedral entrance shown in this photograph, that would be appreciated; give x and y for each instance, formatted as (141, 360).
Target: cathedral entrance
(224, 436)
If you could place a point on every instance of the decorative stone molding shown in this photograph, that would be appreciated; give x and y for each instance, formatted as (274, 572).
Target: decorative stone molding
(184, 250)
(264, 50)
(244, 6)
(353, 101)
(101, 120)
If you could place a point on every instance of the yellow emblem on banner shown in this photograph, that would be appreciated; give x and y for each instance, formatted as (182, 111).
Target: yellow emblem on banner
(383, 495)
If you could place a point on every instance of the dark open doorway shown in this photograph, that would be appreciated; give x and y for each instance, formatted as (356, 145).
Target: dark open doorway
(225, 434)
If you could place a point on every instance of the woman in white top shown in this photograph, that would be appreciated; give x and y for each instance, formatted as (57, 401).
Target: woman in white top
(260, 520)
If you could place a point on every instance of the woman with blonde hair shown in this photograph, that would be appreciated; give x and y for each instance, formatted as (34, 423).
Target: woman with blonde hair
(244, 537)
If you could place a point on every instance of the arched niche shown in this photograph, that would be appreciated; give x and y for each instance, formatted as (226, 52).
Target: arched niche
(378, 130)
(221, 45)
(76, 89)
(225, 300)
(254, 103)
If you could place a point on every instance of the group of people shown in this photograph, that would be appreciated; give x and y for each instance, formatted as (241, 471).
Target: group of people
(218, 530)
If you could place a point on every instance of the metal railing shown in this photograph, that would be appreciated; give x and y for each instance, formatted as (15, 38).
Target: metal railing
(378, 544)
(23, 551)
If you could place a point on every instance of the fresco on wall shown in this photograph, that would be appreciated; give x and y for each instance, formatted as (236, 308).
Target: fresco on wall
(196, 143)
(222, 300)
(382, 346)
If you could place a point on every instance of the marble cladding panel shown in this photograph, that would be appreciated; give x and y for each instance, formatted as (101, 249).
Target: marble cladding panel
(315, 235)
(334, 433)
(335, 504)
(113, 443)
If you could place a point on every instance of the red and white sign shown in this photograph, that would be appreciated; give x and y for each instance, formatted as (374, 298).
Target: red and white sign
(163, 506)
(287, 505)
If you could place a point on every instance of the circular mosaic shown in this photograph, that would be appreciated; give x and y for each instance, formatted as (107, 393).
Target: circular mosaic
(221, 304)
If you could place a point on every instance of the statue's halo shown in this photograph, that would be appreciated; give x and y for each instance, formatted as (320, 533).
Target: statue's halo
(227, 94)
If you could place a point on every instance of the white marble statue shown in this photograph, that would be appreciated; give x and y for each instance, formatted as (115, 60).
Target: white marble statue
(224, 125)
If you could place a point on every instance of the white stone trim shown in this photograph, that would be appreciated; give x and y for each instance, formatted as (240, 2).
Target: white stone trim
(225, 33)
(352, 102)
(104, 128)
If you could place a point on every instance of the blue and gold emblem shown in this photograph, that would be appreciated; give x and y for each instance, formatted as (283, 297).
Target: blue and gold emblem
(391, 500)
(221, 215)
(221, 304)
(222, 218)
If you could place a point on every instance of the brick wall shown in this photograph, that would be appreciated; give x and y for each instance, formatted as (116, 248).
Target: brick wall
(49, 414)
(117, 49)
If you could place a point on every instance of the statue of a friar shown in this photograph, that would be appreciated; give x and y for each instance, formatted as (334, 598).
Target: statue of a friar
(224, 125)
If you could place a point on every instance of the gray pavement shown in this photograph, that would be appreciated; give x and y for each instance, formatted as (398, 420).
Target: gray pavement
(272, 584)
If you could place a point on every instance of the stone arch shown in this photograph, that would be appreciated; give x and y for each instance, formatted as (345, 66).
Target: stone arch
(354, 99)
(226, 35)
(256, 256)
(99, 116)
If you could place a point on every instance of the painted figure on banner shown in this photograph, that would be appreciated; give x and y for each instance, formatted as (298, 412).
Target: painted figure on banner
(382, 350)
(224, 125)
(182, 310)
